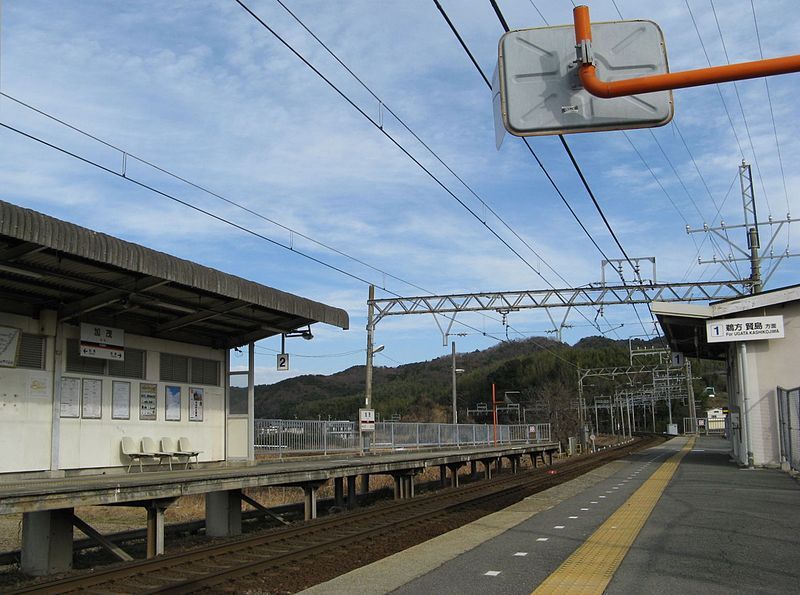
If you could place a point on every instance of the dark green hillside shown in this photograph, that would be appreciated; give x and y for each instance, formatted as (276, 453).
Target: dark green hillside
(543, 371)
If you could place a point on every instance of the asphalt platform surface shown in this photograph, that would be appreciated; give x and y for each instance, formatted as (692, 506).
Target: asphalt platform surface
(715, 529)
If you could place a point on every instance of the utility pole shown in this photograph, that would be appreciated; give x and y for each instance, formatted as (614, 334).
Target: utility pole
(455, 410)
(755, 255)
(370, 339)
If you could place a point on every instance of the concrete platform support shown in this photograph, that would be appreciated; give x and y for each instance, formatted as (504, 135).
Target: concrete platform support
(155, 527)
(365, 483)
(351, 492)
(514, 464)
(310, 499)
(454, 474)
(338, 491)
(442, 475)
(398, 487)
(47, 541)
(487, 468)
(224, 513)
(473, 469)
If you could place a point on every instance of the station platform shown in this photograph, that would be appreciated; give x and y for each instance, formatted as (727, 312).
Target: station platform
(677, 518)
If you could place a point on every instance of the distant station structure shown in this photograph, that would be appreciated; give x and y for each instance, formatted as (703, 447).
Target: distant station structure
(758, 336)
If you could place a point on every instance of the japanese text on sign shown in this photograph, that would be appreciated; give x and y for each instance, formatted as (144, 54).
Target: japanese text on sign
(744, 329)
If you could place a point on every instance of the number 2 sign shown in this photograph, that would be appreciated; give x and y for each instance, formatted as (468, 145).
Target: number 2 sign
(283, 362)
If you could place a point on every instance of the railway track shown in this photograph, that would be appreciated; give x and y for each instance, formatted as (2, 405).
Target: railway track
(272, 555)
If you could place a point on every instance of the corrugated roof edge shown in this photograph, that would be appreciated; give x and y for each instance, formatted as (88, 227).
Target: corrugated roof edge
(31, 226)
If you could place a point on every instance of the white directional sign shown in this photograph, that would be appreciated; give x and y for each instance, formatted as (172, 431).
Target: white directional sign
(366, 420)
(102, 342)
(744, 329)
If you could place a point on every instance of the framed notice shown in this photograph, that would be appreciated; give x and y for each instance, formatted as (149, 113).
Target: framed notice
(9, 346)
(70, 397)
(147, 401)
(92, 399)
(173, 403)
(120, 400)
(195, 404)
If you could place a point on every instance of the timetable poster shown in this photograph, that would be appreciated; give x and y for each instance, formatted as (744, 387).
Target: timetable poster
(195, 404)
(92, 398)
(147, 401)
(70, 397)
(120, 400)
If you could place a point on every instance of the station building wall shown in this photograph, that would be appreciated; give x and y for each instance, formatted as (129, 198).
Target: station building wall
(769, 364)
(31, 415)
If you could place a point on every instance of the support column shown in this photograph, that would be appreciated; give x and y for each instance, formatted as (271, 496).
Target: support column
(47, 542)
(442, 475)
(155, 529)
(351, 492)
(338, 491)
(310, 498)
(398, 487)
(514, 464)
(473, 469)
(224, 513)
(365, 483)
(454, 475)
(487, 468)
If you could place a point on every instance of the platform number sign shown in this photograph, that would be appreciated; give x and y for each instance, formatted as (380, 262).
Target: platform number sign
(283, 362)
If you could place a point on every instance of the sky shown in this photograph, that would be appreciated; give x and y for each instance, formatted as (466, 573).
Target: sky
(339, 193)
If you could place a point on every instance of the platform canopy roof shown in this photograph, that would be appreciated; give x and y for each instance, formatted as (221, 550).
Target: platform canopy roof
(86, 276)
(684, 325)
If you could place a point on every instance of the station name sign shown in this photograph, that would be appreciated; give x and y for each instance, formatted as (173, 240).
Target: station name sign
(754, 328)
(102, 342)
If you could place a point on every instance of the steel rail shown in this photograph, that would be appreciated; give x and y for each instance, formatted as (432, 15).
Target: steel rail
(229, 561)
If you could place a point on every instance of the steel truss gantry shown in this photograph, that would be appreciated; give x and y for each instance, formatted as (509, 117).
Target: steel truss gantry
(591, 296)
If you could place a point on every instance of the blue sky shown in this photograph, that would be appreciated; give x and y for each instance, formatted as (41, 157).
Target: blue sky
(199, 88)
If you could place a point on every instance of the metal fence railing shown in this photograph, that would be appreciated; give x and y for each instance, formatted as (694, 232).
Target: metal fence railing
(292, 435)
(789, 422)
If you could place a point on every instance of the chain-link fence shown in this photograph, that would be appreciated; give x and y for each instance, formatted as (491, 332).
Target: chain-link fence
(292, 435)
(789, 422)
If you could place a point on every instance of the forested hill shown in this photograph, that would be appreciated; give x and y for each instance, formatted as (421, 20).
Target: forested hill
(540, 369)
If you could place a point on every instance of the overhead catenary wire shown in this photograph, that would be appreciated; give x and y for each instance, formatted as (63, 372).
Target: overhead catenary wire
(260, 236)
(402, 122)
(392, 139)
(741, 108)
(574, 162)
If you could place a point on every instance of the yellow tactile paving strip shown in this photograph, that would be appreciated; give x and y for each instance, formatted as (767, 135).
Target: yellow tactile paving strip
(590, 568)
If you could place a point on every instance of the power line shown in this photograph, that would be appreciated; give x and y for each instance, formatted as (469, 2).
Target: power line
(575, 165)
(205, 190)
(393, 140)
(389, 136)
(417, 137)
(741, 107)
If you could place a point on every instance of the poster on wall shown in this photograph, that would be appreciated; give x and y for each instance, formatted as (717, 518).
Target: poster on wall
(173, 403)
(195, 404)
(120, 400)
(147, 401)
(9, 346)
(92, 398)
(70, 397)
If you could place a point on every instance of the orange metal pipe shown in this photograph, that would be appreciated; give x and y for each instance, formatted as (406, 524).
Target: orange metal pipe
(672, 80)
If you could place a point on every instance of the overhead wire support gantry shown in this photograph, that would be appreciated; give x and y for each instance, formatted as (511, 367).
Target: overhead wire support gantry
(576, 297)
